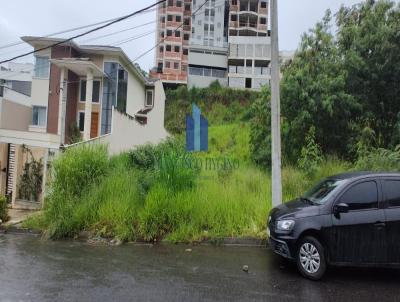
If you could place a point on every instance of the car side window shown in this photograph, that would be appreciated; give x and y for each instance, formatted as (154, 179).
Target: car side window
(392, 192)
(362, 196)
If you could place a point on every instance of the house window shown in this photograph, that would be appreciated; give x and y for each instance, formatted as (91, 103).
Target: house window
(149, 98)
(42, 67)
(81, 121)
(95, 94)
(39, 116)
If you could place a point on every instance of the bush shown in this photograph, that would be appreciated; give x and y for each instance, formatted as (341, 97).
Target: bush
(380, 160)
(3, 209)
(78, 168)
(311, 156)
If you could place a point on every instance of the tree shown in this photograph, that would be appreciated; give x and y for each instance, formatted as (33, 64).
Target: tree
(369, 41)
(260, 129)
(314, 95)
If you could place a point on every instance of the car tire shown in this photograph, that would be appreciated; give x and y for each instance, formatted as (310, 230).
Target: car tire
(310, 258)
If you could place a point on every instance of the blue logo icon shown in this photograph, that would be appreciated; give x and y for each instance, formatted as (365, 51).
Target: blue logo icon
(196, 131)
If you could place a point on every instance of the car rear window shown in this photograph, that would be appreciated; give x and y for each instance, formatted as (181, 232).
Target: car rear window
(392, 192)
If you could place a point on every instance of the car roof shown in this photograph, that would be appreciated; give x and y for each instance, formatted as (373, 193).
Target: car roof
(363, 174)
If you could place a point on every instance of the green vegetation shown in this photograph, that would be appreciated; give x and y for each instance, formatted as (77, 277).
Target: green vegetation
(340, 112)
(3, 209)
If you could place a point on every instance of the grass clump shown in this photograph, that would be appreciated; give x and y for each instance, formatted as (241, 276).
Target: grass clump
(3, 209)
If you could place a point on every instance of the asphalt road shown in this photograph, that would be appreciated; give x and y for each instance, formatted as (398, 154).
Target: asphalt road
(36, 270)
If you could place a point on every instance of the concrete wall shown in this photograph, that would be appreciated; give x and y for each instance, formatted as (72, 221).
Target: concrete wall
(14, 116)
(202, 82)
(205, 59)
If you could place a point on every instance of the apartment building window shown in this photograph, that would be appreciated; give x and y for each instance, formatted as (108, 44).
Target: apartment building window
(186, 37)
(149, 98)
(263, 4)
(263, 21)
(234, 18)
(234, 2)
(219, 24)
(42, 67)
(178, 18)
(81, 121)
(169, 33)
(170, 3)
(177, 49)
(176, 65)
(184, 68)
(186, 21)
(167, 65)
(178, 34)
(170, 18)
(168, 48)
(39, 116)
(162, 19)
(161, 49)
(185, 52)
(95, 94)
(179, 3)
(162, 34)
(212, 13)
(205, 27)
(192, 30)
(211, 27)
(187, 7)
(207, 13)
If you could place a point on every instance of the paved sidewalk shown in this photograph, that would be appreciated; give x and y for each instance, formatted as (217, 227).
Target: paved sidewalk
(18, 216)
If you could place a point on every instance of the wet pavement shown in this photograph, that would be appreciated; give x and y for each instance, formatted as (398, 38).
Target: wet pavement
(32, 269)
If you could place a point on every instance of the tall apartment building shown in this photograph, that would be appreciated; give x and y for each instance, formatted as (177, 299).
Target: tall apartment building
(224, 40)
(171, 56)
(249, 40)
(208, 47)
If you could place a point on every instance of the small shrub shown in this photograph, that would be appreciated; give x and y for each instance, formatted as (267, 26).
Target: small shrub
(77, 168)
(3, 209)
(380, 160)
(311, 155)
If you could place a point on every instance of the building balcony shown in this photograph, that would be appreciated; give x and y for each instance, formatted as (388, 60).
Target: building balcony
(172, 55)
(173, 39)
(175, 9)
(262, 27)
(263, 11)
(173, 24)
(233, 24)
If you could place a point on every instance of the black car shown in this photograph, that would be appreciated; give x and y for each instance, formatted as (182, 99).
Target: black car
(348, 219)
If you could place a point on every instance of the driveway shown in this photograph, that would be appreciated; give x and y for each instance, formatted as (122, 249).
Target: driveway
(32, 269)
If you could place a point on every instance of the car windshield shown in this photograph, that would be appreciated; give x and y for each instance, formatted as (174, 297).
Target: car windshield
(320, 193)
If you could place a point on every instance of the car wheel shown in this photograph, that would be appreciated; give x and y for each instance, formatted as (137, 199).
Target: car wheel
(310, 258)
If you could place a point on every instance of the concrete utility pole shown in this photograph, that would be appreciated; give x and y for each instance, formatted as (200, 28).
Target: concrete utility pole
(275, 109)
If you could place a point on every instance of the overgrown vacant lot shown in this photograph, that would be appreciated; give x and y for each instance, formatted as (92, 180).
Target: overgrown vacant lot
(133, 197)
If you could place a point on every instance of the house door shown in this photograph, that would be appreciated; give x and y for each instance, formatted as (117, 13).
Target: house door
(94, 127)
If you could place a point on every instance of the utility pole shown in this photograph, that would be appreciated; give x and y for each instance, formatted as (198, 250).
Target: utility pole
(275, 109)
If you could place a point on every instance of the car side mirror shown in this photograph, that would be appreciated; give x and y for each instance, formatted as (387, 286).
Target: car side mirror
(341, 208)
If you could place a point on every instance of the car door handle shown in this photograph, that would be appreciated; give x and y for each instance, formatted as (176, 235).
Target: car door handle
(380, 225)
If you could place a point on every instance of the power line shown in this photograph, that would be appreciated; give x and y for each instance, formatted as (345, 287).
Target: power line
(69, 30)
(86, 33)
(117, 32)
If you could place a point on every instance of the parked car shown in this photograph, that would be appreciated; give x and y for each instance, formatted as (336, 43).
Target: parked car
(350, 219)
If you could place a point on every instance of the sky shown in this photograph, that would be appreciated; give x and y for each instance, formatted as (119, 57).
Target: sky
(42, 17)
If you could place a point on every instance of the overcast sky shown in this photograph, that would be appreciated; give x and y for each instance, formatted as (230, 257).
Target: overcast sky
(41, 17)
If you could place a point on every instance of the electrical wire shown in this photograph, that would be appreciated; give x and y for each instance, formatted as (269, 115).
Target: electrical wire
(85, 33)
(71, 30)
